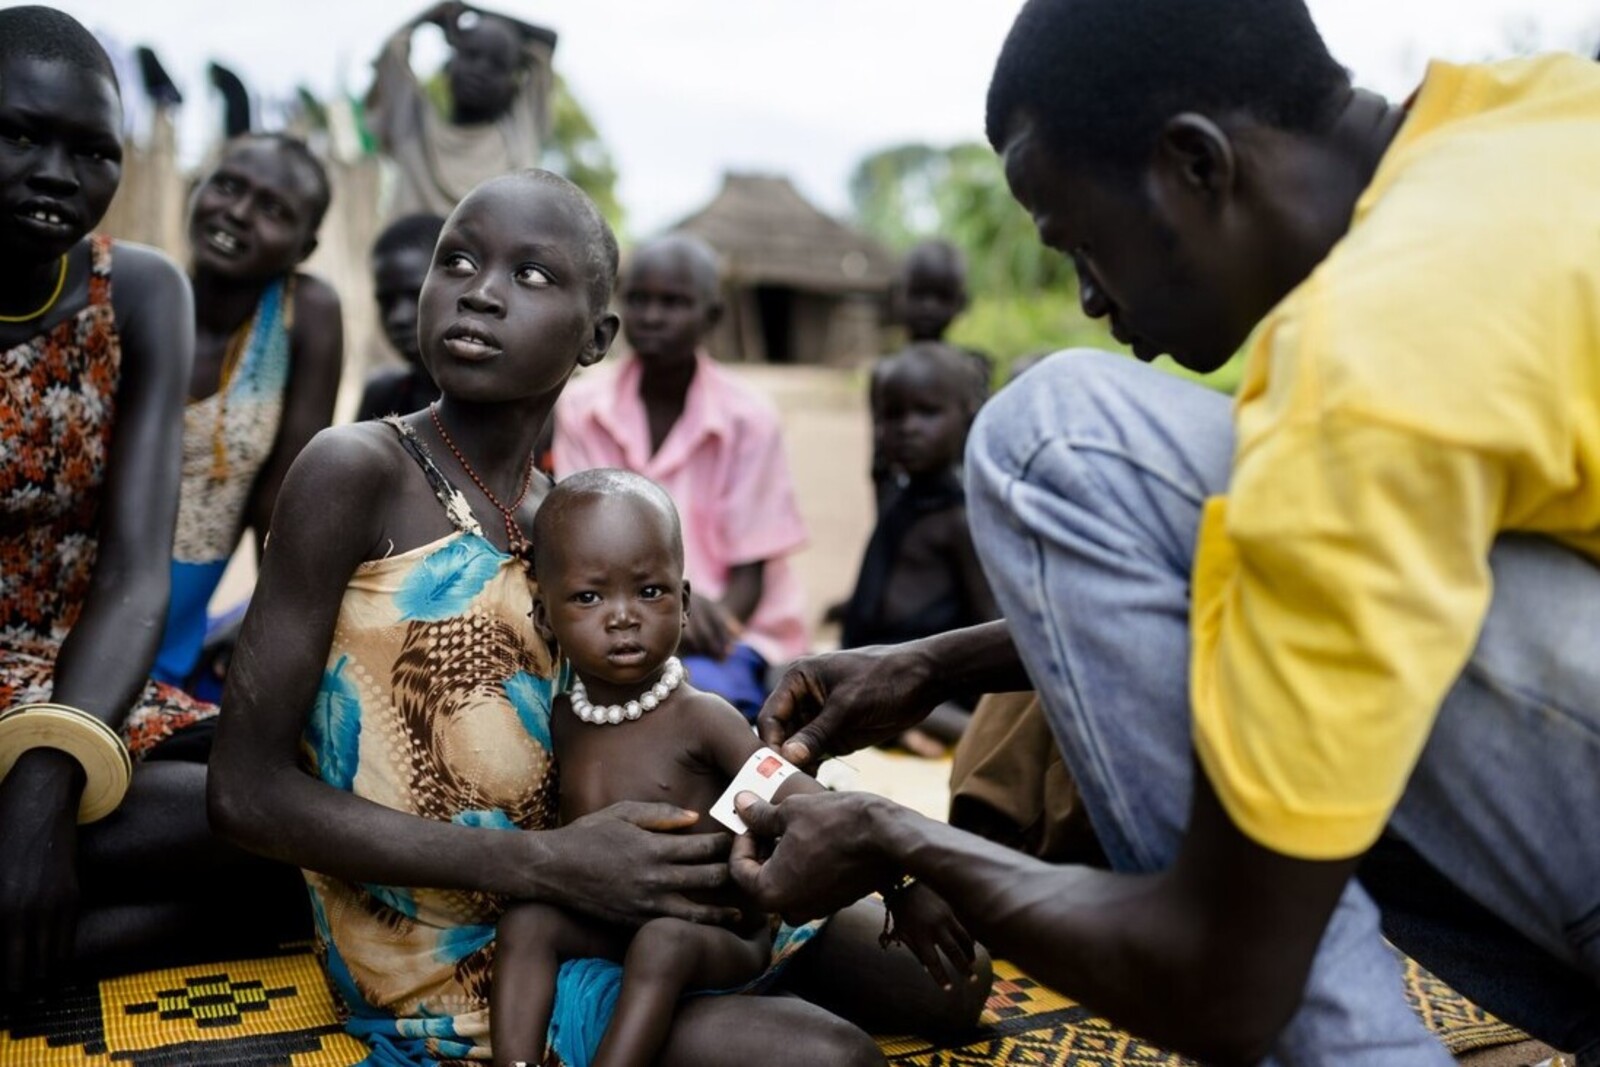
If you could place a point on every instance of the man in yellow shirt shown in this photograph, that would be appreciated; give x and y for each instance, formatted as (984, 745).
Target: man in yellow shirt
(1365, 607)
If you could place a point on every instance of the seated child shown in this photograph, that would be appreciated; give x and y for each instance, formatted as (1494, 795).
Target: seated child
(400, 259)
(920, 574)
(268, 355)
(715, 444)
(608, 557)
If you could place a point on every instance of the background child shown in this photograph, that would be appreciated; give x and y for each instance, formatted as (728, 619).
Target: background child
(500, 84)
(612, 598)
(268, 355)
(931, 290)
(920, 574)
(928, 295)
(400, 259)
(676, 416)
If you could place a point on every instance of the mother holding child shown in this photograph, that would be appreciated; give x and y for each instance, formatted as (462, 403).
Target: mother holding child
(396, 603)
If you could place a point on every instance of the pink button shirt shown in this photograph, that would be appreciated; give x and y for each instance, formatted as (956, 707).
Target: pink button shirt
(724, 465)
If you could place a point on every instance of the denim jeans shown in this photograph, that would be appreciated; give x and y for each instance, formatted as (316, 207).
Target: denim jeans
(1085, 483)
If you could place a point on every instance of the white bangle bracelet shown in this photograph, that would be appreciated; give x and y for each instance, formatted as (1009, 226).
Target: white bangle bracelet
(107, 766)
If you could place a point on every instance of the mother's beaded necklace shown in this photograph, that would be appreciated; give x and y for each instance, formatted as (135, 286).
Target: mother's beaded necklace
(616, 714)
(516, 541)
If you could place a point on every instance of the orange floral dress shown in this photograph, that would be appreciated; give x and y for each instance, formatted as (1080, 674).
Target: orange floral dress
(58, 394)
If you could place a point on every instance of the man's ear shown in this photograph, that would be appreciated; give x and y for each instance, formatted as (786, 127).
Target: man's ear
(309, 247)
(713, 314)
(688, 595)
(1194, 157)
(605, 332)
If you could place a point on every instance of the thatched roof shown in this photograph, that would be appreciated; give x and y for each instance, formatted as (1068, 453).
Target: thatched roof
(768, 234)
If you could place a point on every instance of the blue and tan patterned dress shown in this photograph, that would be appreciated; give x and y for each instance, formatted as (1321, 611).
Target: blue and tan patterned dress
(436, 702)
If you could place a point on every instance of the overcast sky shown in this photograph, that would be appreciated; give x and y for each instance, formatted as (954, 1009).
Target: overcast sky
(684, 90)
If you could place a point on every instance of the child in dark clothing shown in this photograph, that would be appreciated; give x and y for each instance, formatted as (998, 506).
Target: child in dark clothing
(920, 574)
(929, 294)
(400, 259)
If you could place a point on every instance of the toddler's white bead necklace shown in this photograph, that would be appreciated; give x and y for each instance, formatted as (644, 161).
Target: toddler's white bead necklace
(615, 714)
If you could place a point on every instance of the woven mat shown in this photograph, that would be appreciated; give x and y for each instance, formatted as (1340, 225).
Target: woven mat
(278, 1011)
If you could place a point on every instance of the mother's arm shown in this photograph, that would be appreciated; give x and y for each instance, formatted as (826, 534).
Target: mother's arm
(327, 523)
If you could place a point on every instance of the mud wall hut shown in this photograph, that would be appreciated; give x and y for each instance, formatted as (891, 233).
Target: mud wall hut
(800, 287)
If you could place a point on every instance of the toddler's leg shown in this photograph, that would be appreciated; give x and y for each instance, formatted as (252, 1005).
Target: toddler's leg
(530, 943)
(667, 958)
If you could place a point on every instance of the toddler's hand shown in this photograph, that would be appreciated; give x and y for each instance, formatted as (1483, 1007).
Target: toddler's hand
(924, 923)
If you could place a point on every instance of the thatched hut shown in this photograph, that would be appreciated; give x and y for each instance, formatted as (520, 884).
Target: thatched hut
(800, 287)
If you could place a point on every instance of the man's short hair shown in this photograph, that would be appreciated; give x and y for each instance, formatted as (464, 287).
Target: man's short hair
(1099, 78)
(37, 32)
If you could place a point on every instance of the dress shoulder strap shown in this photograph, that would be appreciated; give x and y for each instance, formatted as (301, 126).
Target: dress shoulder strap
(455, 505)
(99, 269)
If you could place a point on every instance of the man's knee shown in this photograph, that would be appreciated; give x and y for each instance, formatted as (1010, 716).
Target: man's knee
(1039, 404)
(1072, 398)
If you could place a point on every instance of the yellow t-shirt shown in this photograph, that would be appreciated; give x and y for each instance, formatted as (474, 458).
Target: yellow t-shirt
(1434, 382)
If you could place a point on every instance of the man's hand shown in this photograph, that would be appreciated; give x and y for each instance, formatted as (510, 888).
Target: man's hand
(839, 702)
(711, 630)
(823, 860)
(625, 864)
(38, 870)
(924, 923)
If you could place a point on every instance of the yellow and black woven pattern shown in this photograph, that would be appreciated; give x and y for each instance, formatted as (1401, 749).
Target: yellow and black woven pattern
(251, 1013)
(1027, 1024)
(278, 1012)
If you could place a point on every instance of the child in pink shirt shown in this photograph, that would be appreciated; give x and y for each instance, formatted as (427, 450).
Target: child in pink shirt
(675, 416)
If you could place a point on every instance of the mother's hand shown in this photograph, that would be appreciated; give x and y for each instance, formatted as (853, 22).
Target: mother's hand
(825, 858)
(839, 702)
(625, 864)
